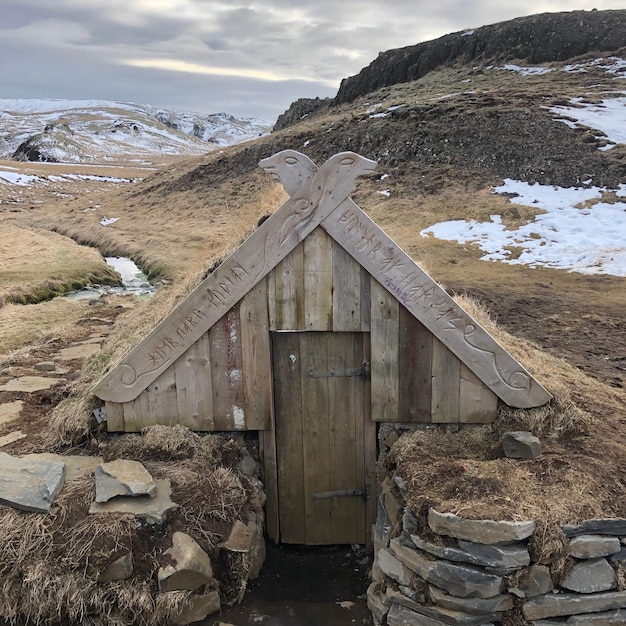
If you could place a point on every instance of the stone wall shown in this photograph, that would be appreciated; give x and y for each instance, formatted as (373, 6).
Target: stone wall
(449, 570)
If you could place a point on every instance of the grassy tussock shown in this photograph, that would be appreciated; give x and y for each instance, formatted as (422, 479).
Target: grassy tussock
(465, 472)
(49, 564)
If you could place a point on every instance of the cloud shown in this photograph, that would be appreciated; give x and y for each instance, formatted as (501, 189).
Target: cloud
(210, 55)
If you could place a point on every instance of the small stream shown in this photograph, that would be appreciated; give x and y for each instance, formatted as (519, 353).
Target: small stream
(134, 282)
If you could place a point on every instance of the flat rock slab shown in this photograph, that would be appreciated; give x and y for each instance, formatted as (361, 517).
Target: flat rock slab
(556, 605)
(10, 411)
(30, 485)
(45, 366)
(79, 351)
(593, 546)
(30, 383)
(16, 435)
(479, 531)
(153, 510)
(76, 466)
(607, 526)
(463, 581)
(123, 478)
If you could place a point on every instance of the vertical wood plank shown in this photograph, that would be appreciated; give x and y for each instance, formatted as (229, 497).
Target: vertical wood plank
(132, 421)
(269, 460)
(318, 281)
(162, 401)
(142, 411)
(346, 291)
(316, 440)
(366, 296)
(289, 299)
(115, 416)
(369, 449)
(256, 359)
(362, 424)
(193, 386)
(271, 299)
(478, 404)
(343, 441)
(289, 442)
(415, 367)
(384, 347)
(446, 378)
(227, 373)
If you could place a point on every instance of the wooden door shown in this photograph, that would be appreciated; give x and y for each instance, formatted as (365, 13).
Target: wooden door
(325, 440)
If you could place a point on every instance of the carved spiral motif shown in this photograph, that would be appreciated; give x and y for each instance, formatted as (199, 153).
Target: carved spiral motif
(520, 380)
(128, 374)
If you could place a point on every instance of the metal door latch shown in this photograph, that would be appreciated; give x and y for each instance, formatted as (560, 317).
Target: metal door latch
(340, 493)
(363, 372)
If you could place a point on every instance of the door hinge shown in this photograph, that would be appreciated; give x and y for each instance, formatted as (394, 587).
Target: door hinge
(341, 493)
(363, 372)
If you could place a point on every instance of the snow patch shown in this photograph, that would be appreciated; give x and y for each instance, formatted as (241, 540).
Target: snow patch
(567, 236)
(608, 116)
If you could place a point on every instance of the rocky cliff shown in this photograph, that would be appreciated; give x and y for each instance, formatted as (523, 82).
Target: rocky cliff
(535, 39)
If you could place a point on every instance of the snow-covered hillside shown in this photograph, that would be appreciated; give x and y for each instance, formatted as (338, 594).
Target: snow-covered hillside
(82, 131)
(581, 229)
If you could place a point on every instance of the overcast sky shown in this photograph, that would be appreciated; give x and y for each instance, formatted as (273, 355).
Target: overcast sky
(245, 58)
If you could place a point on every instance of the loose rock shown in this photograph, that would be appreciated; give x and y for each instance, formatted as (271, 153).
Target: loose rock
(192, 566)
(199, 607)
(120, 569)
(30, 485)
(123, 478)
(590, 577)
(535, 581)
(521, 445)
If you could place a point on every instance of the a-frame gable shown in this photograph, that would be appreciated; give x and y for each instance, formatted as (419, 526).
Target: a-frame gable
(320, 198)
(315, 194)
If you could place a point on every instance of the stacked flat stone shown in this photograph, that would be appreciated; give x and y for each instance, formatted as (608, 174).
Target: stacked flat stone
(588, 589)
(473, 572)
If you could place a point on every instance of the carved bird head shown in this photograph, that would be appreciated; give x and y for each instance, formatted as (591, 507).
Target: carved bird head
(291, 168)
(338, 175)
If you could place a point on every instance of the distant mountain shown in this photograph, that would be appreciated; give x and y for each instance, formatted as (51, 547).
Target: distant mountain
(82, 131)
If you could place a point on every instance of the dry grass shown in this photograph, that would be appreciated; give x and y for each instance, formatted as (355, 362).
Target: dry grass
(25, 327)
(36, 265)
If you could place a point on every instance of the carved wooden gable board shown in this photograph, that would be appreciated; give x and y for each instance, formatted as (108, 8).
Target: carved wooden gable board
(196, 365)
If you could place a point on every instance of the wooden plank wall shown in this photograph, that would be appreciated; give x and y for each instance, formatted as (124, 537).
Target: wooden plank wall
(319, 287)
(224, 381)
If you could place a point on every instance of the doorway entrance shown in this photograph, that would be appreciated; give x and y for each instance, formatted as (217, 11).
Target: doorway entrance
(325, 440)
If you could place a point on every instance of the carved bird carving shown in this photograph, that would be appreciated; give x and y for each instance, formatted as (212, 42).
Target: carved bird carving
(293, 169)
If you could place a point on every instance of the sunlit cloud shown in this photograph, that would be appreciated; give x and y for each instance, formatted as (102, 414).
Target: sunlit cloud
(173, 65)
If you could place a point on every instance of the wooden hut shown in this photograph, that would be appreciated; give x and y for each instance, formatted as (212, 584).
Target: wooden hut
(315, 329)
